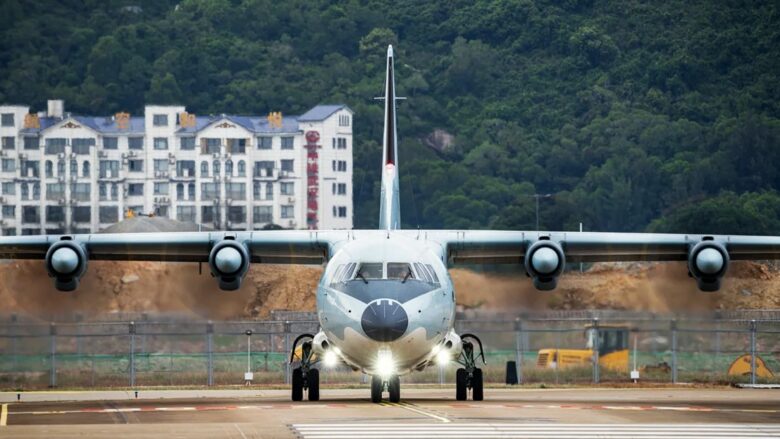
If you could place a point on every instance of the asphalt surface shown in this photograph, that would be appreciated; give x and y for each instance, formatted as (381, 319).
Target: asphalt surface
(424, 413)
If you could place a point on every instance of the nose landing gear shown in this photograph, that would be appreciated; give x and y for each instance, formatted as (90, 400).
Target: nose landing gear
(469, 376)
(305, 377)
(393, 385)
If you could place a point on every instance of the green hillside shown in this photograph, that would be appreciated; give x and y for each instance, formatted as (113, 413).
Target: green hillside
(637, 115)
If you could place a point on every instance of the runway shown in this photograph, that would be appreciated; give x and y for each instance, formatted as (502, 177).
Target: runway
(424, 413)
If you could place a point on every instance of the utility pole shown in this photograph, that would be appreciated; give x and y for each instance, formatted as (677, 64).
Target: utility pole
(538, 196)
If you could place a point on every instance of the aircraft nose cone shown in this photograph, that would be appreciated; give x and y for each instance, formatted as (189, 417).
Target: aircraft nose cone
(384, 320)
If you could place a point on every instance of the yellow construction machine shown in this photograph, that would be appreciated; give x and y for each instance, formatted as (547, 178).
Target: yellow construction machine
(612, 345)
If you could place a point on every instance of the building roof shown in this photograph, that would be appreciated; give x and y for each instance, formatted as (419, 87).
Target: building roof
(255, 124)
(321, 112)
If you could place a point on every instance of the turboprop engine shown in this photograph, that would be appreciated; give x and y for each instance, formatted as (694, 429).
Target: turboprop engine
(707, 263)
(229, 263)
(66, 262)
(544, 262)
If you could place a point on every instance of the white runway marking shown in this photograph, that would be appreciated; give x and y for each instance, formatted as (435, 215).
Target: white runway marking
(555, 431)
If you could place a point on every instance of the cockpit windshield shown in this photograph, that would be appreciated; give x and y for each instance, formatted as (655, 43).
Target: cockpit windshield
(369, 270)
(399, 270)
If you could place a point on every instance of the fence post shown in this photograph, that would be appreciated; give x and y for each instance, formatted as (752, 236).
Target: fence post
(596, 377)
(519, 349)
(14, 350)
(286, 352)
(753, 327)
(210, 353)
(673, 327)
(131, 329)
(53, 353)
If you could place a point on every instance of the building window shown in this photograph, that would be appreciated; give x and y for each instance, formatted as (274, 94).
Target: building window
(9, 165)
(288, 211)
(160, 120)
(241, 168)
(264, 142)
(9, 188)
(160, 165)
(187, 143)
(49, 168)
(135, 189)
(108, 214)
(82, 214)
(236, 214)
(209, 145)
(8, 119)
(339, 165)
(264, 168)
(55, 146)
(269, 191)
(31, 143)
(109, 169)
(344, 120)
(161, 211)
(262, 214)
(208, 214)
(209, 191)
(31, 215)
(287, 142)
(110, 143)
(161, 189)
(185, 214)
(81, 146)
(235, 191)
(114, 191)
(80, 191)
(339, 211)
(287, 188)
(54, 191)
(204, 169)
(135, 166)
(135, 143)
(339, 143)
(74, 168)
(339, 189)
(55, 214)
(191, 190)
(29, 168)
(229, 167)
(236, 146)
(215, 168)
(180, 191)
(61, 168)
(9, 212)
(160, 143)
(85, 169)
(185, 168)
(9, 143)
(25, 191)
(287, 165)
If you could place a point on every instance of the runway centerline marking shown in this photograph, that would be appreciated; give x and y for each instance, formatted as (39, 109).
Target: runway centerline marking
(411, 408)
(4, 415)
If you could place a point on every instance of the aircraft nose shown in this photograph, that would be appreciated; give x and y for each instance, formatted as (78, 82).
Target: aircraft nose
(384, 320)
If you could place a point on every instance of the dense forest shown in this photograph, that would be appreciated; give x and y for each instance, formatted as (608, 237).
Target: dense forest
(635, 115)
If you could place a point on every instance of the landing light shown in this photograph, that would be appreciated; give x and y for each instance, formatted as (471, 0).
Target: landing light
(443, 358)
(385, 365)
(330, 358)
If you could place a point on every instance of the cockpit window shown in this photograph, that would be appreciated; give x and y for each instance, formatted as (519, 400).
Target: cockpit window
(421, 272)
(433, 273)
(347, 274)
(399, 270)
(369, 270)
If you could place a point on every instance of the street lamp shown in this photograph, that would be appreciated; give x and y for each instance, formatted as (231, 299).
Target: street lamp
(538, 196)
(248, 376)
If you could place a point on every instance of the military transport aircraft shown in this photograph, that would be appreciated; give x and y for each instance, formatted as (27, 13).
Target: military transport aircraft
(385, 301)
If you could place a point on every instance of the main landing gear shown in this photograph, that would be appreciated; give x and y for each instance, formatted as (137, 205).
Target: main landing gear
(469, 376)
(392, 384)
(304, 377)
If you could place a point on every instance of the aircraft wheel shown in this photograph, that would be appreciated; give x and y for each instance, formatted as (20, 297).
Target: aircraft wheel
(376, 389)
(460, 384)
(394, 388)
(297, 384)
(476, 385)
(313, 377)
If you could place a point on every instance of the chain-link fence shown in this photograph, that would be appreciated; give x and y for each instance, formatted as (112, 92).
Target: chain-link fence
(560, 347)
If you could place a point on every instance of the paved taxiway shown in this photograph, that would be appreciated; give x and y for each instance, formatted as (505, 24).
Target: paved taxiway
(426, 413)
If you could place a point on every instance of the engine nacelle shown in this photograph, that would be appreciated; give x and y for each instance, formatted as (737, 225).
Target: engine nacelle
(66, 262)
(229, 263)
(544, 262)
(707, 263)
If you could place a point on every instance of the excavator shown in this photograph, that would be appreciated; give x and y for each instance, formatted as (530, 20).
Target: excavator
(612, 344)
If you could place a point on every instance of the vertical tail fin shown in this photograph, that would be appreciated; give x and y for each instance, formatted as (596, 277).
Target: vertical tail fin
(390, 202)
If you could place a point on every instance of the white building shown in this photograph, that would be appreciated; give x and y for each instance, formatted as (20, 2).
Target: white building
(77, 174)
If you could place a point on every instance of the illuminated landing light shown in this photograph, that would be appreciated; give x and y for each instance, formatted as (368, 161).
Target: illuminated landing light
(385, 365)
(331, 359)
(443, 358)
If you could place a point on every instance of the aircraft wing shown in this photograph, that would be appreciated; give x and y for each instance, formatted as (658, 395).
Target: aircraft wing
(545, 254)
(227, 253)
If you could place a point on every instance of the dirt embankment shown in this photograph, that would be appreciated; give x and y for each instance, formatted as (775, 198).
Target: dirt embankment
(168, 287)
